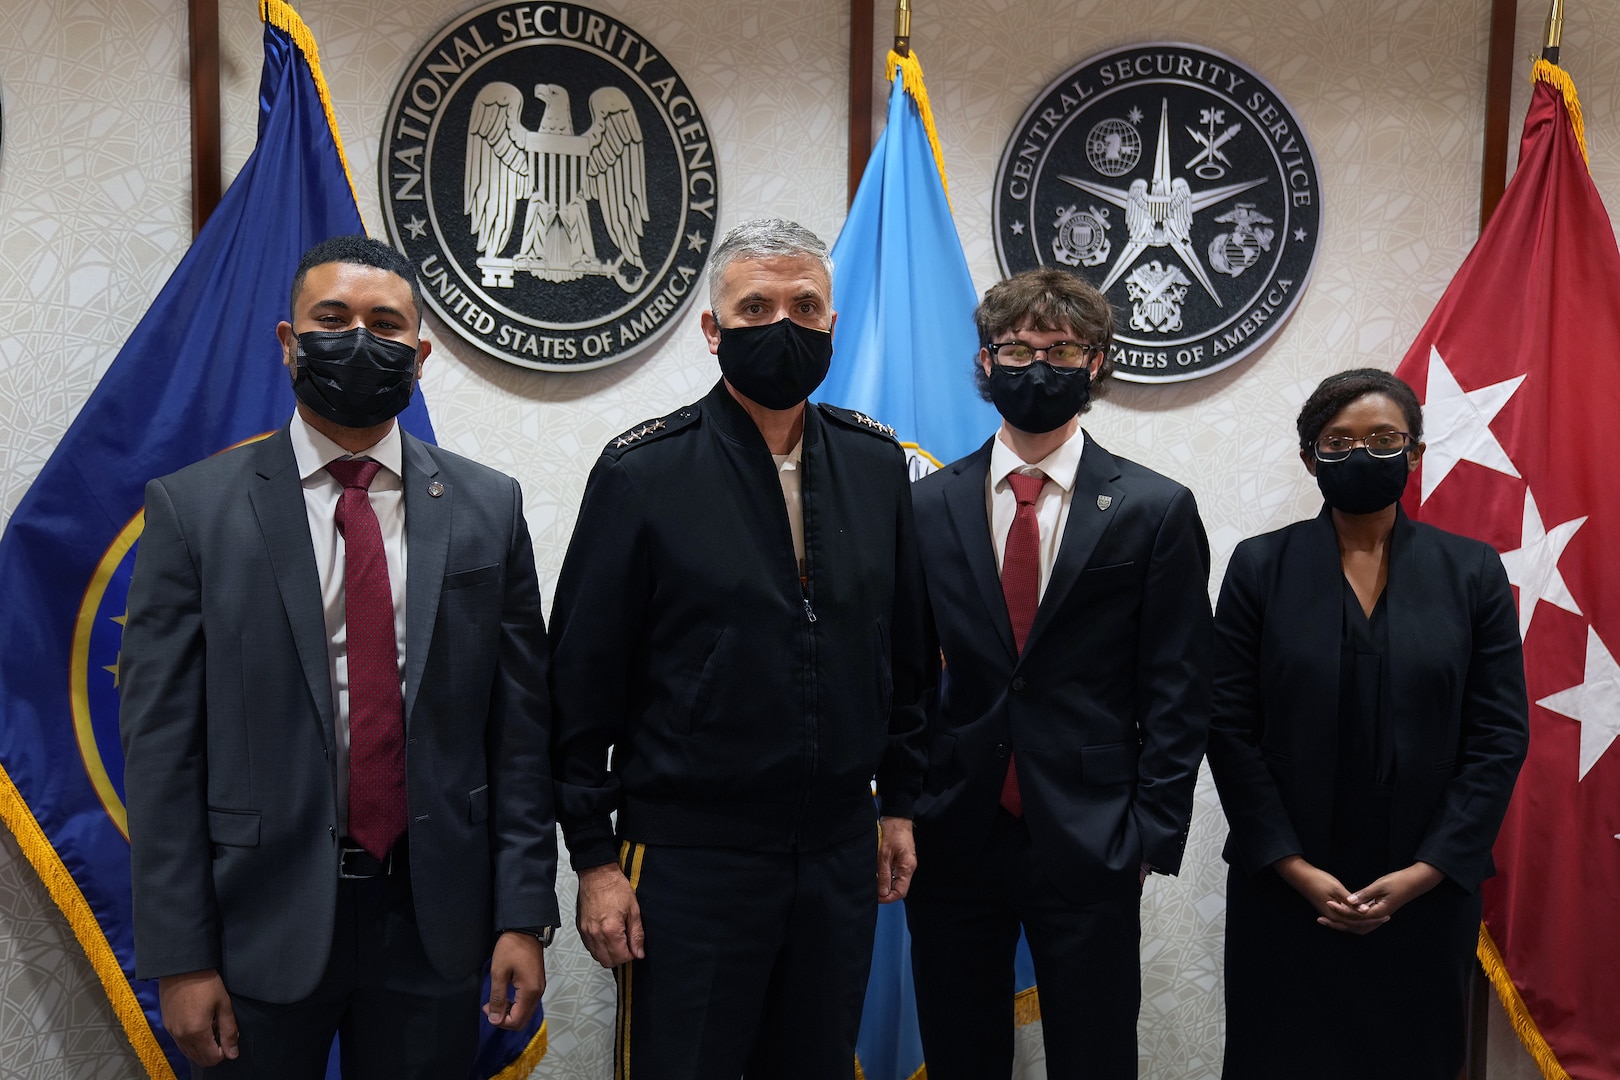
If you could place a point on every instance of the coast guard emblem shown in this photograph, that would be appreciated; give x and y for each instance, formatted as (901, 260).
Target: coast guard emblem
(552, 179)
(1182, 186)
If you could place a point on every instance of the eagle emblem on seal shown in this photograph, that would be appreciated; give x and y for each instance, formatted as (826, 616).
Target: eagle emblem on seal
(551, 174)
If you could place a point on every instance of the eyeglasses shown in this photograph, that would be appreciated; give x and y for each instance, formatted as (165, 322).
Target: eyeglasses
(1380, 444)
(1015, 354)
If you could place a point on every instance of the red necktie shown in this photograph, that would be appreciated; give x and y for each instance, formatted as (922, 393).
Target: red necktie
(376, 712)
(1021, 585)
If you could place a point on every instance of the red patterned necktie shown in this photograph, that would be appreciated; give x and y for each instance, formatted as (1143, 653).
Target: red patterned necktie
(376, 711)
(1021, 585)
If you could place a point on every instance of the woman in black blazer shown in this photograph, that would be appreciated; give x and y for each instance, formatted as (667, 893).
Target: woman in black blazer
(1369, 721)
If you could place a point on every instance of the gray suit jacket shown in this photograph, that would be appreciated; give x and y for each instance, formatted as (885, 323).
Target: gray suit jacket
(228, 731)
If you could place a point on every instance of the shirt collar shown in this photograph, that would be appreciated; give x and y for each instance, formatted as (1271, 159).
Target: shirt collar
(790, 460)
(313, 451)
(1059, 466)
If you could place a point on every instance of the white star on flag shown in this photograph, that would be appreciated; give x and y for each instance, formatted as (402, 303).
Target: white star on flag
(1458, 424)
(1533, 567)
(1594, 703)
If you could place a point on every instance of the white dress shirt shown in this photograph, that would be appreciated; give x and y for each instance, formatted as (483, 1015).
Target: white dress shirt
(1051, 506)
(790, 471)
(312, 451)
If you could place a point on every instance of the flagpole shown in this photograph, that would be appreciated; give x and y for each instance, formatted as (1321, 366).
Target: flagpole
(860, 91)
(902, 27)
(203, 39)
(1498, 103)
(1554, 36)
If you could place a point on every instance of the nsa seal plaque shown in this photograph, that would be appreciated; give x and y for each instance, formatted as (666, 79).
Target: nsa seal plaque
(551, 177)
(1182, 186)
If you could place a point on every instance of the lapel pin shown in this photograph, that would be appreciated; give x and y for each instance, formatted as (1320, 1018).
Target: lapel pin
(1104, 501)
(436, 489)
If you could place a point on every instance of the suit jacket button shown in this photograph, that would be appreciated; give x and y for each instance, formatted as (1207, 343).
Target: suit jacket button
(1018, 683)
(1002, 750)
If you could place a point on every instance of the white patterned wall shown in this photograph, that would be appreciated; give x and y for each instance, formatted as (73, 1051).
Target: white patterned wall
(94, 214)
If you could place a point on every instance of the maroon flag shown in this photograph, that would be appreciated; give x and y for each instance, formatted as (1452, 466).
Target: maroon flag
(1519, 372)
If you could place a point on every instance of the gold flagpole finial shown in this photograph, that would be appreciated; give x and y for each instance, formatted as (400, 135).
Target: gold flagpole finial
(1555, 32)
(902, 27)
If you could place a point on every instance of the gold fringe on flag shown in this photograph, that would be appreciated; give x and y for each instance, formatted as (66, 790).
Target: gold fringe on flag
(911, 78)
(525, 1063)
(1026, 1006)
(1556, 77)
(1490, 958)
(920, 1074)
(65, 891)
(281, 16)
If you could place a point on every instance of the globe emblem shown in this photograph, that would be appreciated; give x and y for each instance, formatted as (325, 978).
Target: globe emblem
(1113, 147)
(1233, 253)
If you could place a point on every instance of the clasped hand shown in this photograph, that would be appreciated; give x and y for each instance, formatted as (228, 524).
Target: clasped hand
(1366, 909)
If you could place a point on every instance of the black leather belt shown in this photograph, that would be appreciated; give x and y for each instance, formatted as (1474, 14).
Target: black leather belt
(355, 861)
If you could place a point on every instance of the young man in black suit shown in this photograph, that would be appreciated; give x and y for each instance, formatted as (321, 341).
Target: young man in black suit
(1069, 594)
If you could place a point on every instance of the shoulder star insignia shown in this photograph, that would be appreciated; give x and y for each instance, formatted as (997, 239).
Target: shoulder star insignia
(862, 418)
(638, 433)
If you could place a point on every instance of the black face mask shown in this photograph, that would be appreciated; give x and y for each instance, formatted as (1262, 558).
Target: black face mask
(354, 378)
(1361, 483)
(1039, 397)
(778, 364)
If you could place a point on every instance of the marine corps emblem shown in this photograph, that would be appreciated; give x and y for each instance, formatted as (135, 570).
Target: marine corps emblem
(1169, 136)
(551, 177)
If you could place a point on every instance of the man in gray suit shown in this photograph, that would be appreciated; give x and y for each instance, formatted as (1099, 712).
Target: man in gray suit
(335, 721)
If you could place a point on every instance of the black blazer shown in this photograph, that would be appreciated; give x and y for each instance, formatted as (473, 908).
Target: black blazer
(227, 723)
(1454, 689)
(1107, 707)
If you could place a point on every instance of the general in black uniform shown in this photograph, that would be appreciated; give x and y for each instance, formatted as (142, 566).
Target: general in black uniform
(738, 651)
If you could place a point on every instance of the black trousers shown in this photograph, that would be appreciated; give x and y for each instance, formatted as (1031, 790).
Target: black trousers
(964, 934)
(396, 1016)
(756, 962)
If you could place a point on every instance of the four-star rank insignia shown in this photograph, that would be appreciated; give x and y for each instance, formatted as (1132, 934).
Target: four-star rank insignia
(862, 418)
(1182, 186)
(636, 434)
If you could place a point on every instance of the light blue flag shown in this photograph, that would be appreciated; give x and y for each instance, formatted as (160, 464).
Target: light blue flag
(903, 354)
(905, 343)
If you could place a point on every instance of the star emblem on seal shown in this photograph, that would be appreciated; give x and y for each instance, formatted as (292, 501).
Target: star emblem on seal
(1204, 203)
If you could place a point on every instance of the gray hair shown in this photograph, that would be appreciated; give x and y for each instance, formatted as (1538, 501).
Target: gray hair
(764, 238)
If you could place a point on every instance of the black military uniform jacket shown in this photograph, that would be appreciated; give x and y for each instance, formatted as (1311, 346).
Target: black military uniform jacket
(746, 705)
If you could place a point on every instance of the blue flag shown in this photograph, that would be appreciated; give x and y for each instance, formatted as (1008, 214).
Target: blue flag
(905, 342)
(904, 348)
(201, 372)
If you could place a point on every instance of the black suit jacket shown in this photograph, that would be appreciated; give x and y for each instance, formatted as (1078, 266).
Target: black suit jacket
(227, 722)
(1107, 707)
(1454, 686)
